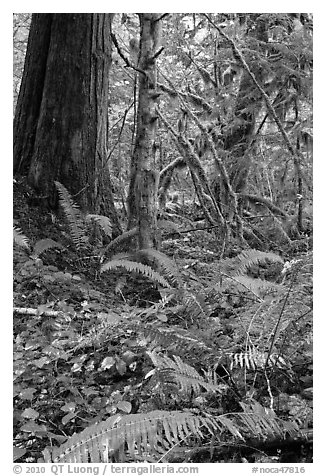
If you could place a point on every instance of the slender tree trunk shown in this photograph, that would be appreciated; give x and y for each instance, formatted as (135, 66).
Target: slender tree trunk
(300, 193)
(62, 108)
(143, 191)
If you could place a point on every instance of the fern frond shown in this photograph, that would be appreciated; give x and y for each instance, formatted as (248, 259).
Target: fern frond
(254, 359)
(195, 306)
(262, 321)
(45, 244)
(132, 266)
(105, 325)
(20, 239)
(76, 223)
(173, 338)
(258, 287)
(164, 263)
(242, 263)
(135, 436)
(182, 374)
(264, 421)
(103, 221)
(140, 437)
(122, 239)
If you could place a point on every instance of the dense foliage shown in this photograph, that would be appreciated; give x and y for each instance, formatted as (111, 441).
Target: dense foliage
(201, 350)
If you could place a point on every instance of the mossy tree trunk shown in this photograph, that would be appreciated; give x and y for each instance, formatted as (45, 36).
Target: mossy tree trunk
(143, 190)
(60, 125)
(239, 136)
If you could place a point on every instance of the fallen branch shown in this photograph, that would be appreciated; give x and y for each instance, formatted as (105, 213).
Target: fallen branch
(27, 311)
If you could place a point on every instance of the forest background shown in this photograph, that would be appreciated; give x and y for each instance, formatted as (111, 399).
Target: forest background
(319, 169)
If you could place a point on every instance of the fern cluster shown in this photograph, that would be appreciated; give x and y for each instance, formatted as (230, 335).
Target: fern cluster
(185, 365)
(78, 222)
(74, 218)
(135, 262)
(152, 437)
(185, 377)
(184, 371)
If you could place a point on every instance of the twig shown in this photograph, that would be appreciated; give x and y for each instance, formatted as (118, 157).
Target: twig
(157, 54)
(125, 59)
(162, 16)
(199, 229)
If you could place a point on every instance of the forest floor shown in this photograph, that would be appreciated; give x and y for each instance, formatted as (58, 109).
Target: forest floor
(85, 342)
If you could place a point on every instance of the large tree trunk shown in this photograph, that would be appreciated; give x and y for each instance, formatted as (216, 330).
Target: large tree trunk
(62, 108)
(143, 191)
(31, 91)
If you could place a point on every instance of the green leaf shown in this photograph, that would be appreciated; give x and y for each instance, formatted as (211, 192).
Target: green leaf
(121, 366)
(18, 452)
(41, 362)
(68, 417)
(30, 413)
(27, 393)
(32, 427)
(124, 406)
(108, 363)
(69, 407)
(161, 316)
(90, 391)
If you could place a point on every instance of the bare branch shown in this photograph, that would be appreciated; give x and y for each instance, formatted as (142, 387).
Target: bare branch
(125, 59)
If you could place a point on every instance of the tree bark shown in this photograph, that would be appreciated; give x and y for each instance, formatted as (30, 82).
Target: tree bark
(142, 199)
(60, 125)
(31, 91)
